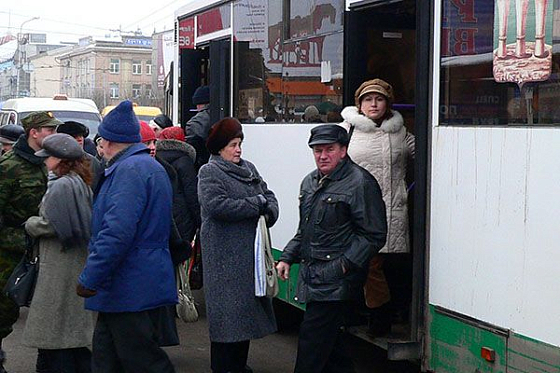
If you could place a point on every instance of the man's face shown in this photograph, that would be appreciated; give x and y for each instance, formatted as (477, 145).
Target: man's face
(6, 147)
(328, 156)
(39, 134)
(80, 140)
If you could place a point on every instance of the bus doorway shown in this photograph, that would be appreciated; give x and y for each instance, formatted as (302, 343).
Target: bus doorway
(207, 64)
(381, 42)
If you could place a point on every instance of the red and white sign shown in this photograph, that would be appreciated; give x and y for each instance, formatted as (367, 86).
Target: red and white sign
(186, 33)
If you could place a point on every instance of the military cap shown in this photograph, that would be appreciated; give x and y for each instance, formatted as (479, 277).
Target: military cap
(61, 145)
(40, 119)
(10, 133)
(328, 134)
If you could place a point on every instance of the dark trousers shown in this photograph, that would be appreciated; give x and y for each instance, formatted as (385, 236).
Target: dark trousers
(128, 342)
(229, 357)
(9, 311)
(69, 360)
(320, 348)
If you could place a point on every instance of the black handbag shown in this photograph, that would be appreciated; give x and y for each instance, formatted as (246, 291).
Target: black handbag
(21, 283)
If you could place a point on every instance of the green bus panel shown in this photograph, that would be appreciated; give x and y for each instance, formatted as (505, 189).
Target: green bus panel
(287, 289)
(455, 346)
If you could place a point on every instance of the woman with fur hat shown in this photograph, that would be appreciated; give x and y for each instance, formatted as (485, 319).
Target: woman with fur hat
(232, 196)
(57, 323)
(381, 144)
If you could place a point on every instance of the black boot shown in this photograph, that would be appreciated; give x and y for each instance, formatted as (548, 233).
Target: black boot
(379, 323)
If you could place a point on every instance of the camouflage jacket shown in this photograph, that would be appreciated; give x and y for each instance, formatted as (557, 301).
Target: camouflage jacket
(23, 181)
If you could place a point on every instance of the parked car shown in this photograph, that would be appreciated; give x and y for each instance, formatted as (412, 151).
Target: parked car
(145, 113)
(81, 110)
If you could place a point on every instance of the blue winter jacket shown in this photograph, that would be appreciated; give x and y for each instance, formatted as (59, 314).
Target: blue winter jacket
(129, 262)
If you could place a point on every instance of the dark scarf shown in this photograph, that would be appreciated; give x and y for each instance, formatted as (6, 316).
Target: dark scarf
(239, 171)
(22, 148)
(67, 207)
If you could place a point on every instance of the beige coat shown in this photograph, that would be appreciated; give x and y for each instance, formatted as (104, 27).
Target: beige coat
(57, 318)
(384, 151)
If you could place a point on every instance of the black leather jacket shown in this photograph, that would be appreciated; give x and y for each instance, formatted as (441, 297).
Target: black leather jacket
(342, 224)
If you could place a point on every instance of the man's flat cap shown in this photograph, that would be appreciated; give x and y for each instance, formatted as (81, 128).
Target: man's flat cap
(328, 134)
(61, 145)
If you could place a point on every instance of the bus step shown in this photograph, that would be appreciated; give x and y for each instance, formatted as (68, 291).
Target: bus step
(397, 344)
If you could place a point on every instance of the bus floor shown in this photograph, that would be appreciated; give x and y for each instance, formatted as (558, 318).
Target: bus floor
(273, 354)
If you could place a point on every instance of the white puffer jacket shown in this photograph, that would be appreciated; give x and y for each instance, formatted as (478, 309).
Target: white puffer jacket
(384, 152)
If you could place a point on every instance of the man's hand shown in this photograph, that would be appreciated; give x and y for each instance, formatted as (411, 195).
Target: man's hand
(84, 292)
(283, 269)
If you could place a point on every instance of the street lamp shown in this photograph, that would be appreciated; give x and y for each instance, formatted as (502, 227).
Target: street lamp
(21, 53)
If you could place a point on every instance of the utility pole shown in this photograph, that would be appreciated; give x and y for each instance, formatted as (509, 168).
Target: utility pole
(21, 55)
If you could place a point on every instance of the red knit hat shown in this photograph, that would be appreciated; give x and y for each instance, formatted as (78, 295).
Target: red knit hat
(172, 133)
(146, 132)
(221, 133)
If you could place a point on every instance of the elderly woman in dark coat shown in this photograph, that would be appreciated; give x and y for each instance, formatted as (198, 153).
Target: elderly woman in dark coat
(232, 196)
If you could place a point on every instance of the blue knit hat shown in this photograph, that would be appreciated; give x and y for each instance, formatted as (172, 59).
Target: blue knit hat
(121, 125)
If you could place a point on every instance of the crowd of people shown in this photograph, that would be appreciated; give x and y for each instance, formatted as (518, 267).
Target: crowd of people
(133, 201)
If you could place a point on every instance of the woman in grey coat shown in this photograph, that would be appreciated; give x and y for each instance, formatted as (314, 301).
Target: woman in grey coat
(232, 196)
(57, 323)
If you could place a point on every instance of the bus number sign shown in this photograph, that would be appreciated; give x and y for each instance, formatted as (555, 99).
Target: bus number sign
(186, 33)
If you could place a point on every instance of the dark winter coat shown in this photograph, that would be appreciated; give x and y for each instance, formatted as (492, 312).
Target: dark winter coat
(196, 131)
(232, 197)
(186, 210)
(342, 223)
(129, 262)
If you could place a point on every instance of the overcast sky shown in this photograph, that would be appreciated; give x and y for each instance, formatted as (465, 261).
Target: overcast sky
(65, 20)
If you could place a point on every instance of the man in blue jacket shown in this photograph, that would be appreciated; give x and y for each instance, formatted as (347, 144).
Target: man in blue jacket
(129, 270)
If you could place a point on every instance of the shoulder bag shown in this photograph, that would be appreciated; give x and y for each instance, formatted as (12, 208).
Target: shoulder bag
(186, 308)
(21, 283)
(266, 277)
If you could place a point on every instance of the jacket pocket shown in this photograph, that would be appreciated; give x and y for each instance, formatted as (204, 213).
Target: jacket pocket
(333, 212)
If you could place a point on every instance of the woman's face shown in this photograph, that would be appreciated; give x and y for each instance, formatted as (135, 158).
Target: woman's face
(373, 105)
(52, 163)
(232, 151)
(152, 146)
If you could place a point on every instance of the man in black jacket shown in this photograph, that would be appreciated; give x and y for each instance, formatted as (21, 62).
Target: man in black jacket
(342, 224)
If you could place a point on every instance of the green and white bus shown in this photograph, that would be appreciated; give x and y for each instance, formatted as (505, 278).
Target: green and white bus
(477, 84)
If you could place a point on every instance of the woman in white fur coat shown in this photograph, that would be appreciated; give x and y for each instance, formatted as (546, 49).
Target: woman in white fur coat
(381, 144)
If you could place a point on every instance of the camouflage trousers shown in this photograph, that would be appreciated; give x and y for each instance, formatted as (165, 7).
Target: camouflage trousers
(9, 311)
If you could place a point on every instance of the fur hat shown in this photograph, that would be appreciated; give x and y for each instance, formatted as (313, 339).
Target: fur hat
(201, 95)
(172, 133)
(221, 133)
(121, 125)
(9, 133)
(73, 129)
(146, 132)
(374, 85)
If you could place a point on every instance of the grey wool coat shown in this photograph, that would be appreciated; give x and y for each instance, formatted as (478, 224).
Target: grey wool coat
(231, 200)
(57, 318)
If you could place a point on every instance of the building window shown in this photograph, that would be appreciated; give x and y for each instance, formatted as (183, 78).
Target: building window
(114, 90)
(148, 90)
(136, 88)
(149, 67)
(136, 67)
(115, 66)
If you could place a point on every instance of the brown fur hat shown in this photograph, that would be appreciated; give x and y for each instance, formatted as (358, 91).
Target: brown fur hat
(221, 133)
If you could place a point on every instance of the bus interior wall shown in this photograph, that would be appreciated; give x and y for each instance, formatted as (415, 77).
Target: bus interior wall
(380, 42)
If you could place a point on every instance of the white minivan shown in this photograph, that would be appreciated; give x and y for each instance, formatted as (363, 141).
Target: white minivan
(63, 108)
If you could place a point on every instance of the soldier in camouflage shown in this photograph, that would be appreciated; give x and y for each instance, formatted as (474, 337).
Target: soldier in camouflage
(23, 181)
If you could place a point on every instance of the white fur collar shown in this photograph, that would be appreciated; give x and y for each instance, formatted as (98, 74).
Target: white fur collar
(351, 115)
